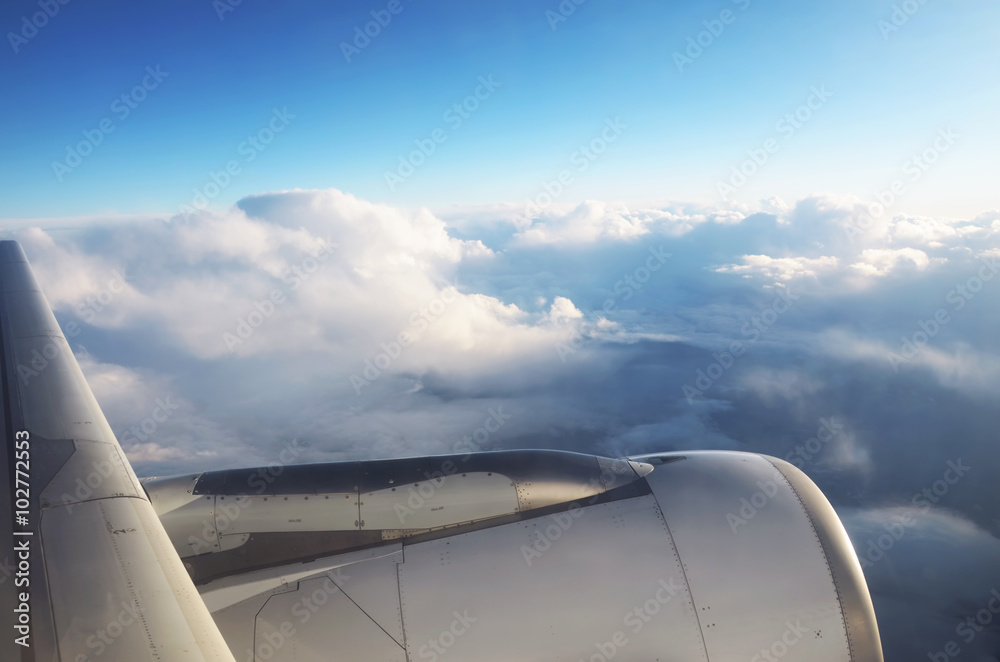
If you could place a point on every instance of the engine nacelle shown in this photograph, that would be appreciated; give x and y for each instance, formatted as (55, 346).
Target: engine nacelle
(524, 555)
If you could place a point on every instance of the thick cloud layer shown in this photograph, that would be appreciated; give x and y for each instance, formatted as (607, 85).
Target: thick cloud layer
(859, 344)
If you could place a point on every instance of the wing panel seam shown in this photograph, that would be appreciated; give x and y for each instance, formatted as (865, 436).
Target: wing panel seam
(826, 558)
(680, 564)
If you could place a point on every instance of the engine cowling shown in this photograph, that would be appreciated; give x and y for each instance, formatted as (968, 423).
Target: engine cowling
(527, 555)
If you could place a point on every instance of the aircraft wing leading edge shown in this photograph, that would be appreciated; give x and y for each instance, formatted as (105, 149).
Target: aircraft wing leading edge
(89, 569)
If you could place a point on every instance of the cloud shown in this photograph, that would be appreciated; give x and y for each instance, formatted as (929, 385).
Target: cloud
(880, 261)
(76, 279)
(369, 330)
(359, 330)
(154, 424)
(563, 311)
(303, 271)
(783, 269)
(593, 221)
(950, 567)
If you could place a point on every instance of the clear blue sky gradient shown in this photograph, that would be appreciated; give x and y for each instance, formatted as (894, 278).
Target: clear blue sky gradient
(685, 129)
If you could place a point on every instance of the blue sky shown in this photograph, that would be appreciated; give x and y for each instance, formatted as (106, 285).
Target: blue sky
(891, 91)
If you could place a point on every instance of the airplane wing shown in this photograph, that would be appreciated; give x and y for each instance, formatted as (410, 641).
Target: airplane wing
(514, 555)
(89, 571)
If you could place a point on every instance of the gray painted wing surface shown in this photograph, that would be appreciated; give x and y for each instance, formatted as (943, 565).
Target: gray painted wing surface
(104, 581)
(603, 580)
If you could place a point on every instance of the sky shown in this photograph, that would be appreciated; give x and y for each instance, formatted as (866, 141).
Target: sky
(357, 104)
(632, 228)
